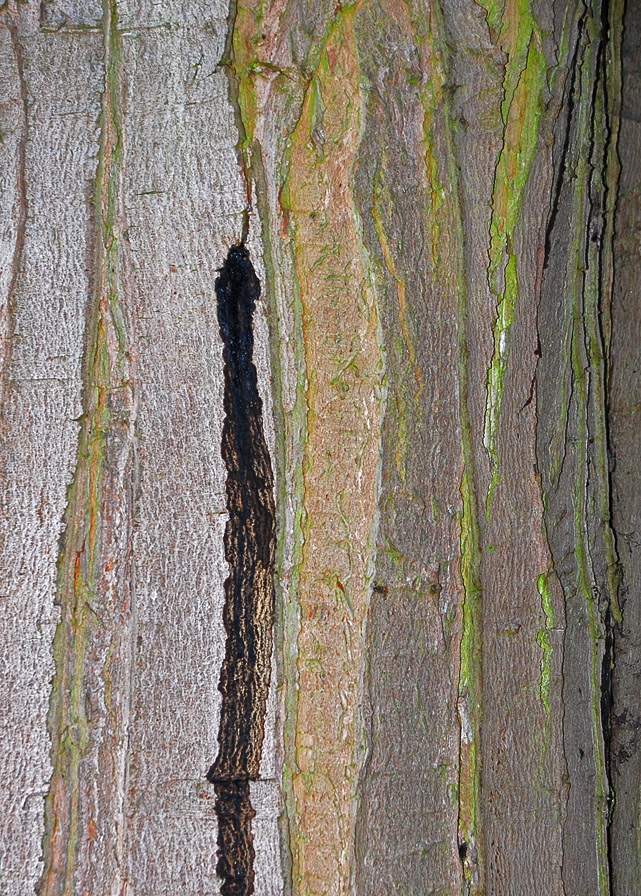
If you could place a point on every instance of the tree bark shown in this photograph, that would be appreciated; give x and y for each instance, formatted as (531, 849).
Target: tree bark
(390, 440)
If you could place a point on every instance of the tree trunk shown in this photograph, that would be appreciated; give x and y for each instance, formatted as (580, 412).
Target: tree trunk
(320, 447)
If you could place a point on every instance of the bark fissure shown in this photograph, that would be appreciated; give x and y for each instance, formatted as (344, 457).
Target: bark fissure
(250, 543)
(7, 323)
(568, 95)
(605, 200)
(228, 62)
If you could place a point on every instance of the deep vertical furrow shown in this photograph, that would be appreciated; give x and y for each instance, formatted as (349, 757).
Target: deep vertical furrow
(574, 459)
(249, 590)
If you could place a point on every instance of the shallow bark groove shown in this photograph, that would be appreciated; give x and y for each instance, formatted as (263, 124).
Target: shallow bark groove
(92, 689)
(249, 590)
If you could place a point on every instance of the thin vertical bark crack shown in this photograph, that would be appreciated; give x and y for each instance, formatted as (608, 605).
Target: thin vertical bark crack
(7, 325)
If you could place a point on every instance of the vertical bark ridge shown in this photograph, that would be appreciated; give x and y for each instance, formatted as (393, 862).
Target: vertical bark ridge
(344, 395)
(268, 91)
(91, 693)
(523, 87)
(286, 65)
(419, 791)
(606, 172)
(469, 706)
(501, 130)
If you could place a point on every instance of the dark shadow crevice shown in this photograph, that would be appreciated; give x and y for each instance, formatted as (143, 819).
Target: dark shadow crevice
(248, 612)
(569, 97)
(235, 842)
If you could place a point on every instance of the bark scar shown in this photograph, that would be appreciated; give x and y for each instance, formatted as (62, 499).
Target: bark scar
(248, 612)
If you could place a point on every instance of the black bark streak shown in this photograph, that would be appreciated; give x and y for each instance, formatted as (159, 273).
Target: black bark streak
(249, 590)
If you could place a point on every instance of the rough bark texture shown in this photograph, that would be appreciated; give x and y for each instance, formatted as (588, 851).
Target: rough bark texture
(127, 199)
(441, 203)
(625, 439)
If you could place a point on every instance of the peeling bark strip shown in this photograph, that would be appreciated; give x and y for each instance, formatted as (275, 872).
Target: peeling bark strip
(249, 590)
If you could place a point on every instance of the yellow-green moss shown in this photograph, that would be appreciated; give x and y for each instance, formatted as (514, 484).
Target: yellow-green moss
(521, 108)
(543, 640)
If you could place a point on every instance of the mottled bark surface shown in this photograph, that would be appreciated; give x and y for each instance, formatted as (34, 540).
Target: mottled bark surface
(441, 203)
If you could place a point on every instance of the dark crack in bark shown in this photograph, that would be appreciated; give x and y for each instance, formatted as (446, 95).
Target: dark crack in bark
(249, 590)
(601, 233)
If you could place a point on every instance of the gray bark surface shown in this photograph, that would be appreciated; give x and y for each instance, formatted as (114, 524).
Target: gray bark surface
(53, 88)
(128, 243)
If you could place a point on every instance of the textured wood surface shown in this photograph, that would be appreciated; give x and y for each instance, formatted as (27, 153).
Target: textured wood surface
(441, 203)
